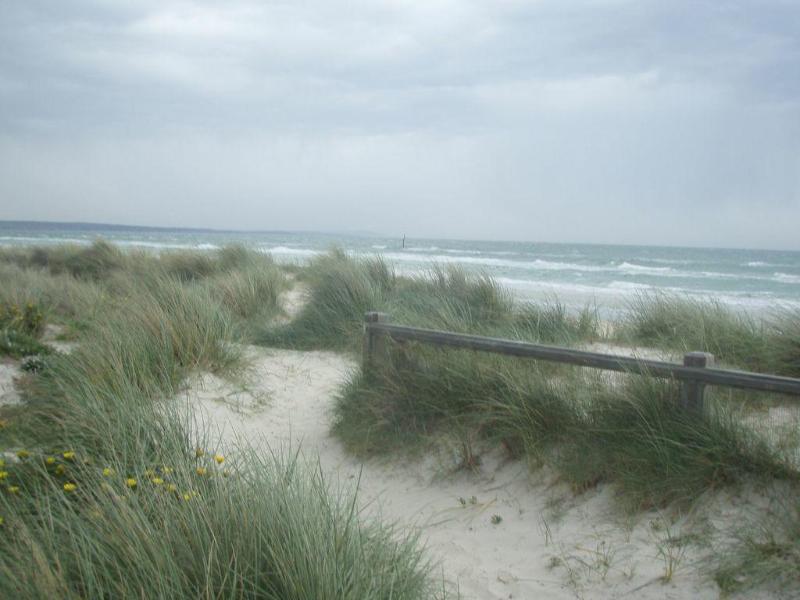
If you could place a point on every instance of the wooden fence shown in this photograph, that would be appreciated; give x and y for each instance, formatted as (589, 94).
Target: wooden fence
(695, 373)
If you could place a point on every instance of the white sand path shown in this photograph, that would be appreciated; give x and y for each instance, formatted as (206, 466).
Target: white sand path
(548, 544)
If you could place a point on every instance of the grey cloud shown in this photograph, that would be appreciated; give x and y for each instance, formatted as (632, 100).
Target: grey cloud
(483, 119)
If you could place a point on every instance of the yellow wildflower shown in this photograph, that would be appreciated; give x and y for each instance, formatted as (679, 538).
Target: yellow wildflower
(70, 487)
(201, 471)
(166, 470)
(199, 452)
(3, 475)
(50, 460)
(23, 454)
(157, 480)
(108, 472)
(172, 487)
(69, 455)
(60, 469)
(219, 458)
(149, 472)
(186, 497)
(13, 489)
(130, 482)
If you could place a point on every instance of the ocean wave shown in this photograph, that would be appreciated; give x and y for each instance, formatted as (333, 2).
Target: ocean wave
(786, 277)
(286, 251)
(620, 292)
(756, 263)
(422, 249)
(456, 251)
(164, 245)
(538, 264)
(669, 261)
(43, 240)
(633, 268)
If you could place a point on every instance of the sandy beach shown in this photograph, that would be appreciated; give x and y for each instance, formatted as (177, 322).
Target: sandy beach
(549, 543)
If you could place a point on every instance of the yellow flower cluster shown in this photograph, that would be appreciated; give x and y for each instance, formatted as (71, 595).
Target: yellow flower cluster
(157, 476)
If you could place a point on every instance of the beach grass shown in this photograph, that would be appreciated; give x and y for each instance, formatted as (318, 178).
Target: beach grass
(764, 551)
(767, 344)
(341, 289)
(628, 430)
(144, 322)
(588, 426)
(105, 492)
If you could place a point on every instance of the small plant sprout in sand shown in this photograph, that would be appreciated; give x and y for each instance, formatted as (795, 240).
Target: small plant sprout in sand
(670, 548)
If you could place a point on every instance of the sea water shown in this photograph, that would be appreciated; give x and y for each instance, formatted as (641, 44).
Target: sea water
(605, 276)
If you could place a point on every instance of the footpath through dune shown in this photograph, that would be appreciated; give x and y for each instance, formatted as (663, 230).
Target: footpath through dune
(498, 533)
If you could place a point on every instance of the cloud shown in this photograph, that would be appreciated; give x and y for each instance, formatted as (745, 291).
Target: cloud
(480, 119)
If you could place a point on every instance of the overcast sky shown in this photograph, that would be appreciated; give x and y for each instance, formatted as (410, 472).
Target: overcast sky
(620, 121)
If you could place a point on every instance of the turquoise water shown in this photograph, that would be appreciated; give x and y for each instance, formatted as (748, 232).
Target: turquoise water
(576, 274)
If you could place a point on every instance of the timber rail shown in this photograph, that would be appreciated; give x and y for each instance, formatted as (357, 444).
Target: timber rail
(695, 373)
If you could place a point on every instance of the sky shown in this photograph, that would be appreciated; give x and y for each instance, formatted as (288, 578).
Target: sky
(603, 121)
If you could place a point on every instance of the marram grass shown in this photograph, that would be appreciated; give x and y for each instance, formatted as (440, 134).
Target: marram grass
(271, 527)
(341, 289)
(105, 494)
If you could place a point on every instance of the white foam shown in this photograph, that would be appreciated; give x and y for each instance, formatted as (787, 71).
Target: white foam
(163, 245)
(633, 268)
(786, 277)
(286, 251)
(537, 265)
(44, 240)
(619, 292)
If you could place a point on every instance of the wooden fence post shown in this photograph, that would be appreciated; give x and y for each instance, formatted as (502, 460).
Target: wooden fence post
(374, 348)
(691, 390)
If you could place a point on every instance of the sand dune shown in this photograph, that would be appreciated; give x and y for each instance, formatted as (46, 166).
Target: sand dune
(548, 542)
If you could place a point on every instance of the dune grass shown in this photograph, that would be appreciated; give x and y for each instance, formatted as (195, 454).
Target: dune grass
(154, 319)
(627, 430)
(342, 289)
(765, 550)
(110, 497)
(769, 344)
(588, 426)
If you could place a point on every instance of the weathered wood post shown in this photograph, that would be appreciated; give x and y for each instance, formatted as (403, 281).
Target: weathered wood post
(375, 349)
(692, 390)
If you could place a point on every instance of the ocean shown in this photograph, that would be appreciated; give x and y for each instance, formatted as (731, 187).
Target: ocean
(606, 276)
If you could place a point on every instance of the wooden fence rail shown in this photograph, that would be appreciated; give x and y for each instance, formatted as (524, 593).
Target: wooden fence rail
(695, 373)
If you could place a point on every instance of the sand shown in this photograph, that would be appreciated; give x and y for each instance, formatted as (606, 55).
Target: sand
(548, 543)
(545, 541)
(9, 370)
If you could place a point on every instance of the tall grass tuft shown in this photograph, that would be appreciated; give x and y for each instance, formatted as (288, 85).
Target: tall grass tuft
(764, 550)
(111, 500)
(275, 530)
(770, 344)
(628, 430)
(342, 289)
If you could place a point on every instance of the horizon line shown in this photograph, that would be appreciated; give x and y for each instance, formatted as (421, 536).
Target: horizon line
(162, 228)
